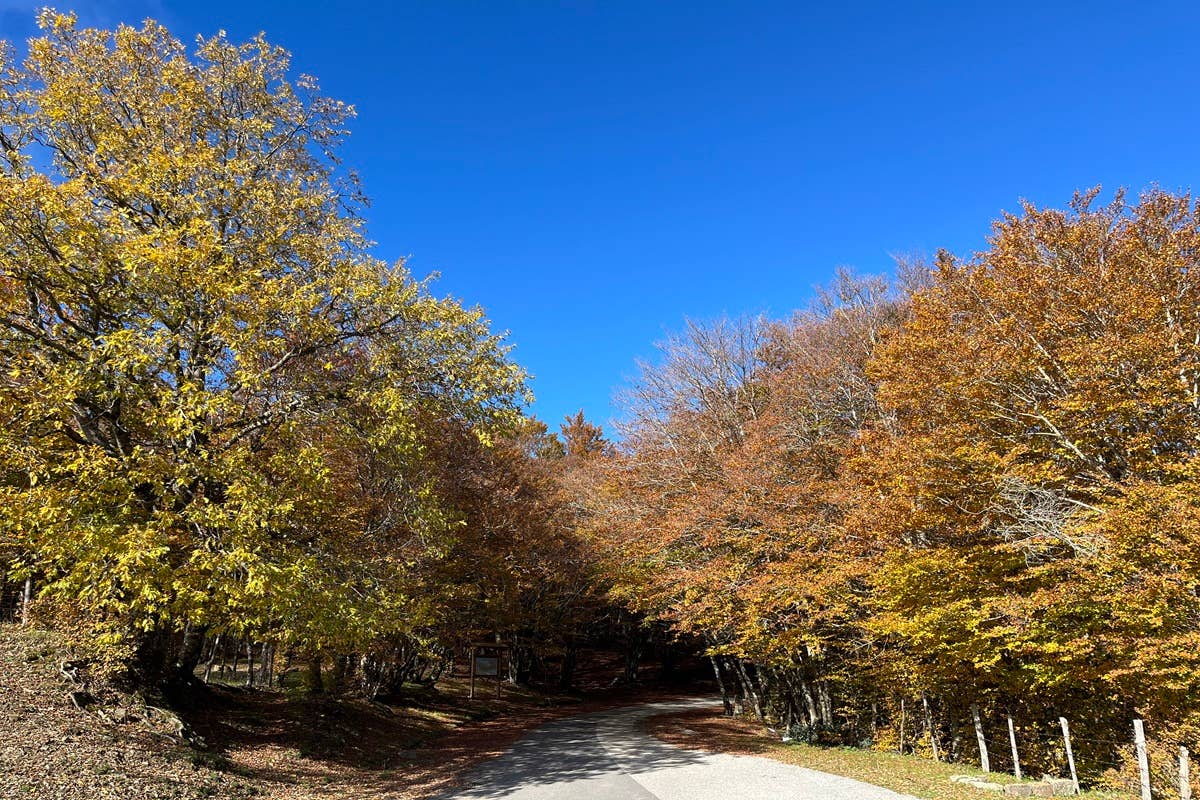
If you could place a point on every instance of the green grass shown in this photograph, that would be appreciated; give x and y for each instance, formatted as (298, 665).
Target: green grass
(912, 775)
(907, 774)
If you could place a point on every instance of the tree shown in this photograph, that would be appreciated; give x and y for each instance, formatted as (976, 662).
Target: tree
(1043, 476)
(515, 566)
(732, 510)
(193, 327)
(704, 376)
(582, 439)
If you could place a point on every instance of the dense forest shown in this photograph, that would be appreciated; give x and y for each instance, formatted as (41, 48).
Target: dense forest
(976, 487)
(226, 424)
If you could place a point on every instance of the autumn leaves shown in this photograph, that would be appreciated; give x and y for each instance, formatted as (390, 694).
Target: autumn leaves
(223, 415)
(980, 484)
(218, 405)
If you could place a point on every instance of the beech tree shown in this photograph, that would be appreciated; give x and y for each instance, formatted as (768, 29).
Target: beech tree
(730, 512)
(193, 326)
(980, 489)
(1045, 393)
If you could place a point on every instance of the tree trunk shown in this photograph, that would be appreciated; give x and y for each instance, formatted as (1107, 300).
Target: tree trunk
(824, 704)
(725, 700)
(26, 599)
(264, 678)
(956, 739)
(336, 680)
(790, 696)
(762, 679)
(249, 662)
(566, 675)
(212, 656)
(153, 659)
(520, 663)
(633, 660)
(810, 703)
(237, 654)
(749, 689)
(312, 677)
(190, 651)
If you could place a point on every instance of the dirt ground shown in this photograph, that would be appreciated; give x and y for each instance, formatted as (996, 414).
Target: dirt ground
(252, 743)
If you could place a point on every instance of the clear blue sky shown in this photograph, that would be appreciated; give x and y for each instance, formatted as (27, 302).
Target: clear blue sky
(592, 172)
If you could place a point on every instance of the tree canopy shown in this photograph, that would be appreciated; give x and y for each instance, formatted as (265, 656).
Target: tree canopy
(216, 399)
(222, 415)
(975, 487)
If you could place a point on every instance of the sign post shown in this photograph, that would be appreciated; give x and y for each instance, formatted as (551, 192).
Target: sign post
(486, 658)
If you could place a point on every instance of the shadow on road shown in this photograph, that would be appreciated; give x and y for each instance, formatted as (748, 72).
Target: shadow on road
(601, 748)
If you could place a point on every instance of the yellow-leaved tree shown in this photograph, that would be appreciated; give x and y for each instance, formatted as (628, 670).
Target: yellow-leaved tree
(1044, 472)
(197, 346)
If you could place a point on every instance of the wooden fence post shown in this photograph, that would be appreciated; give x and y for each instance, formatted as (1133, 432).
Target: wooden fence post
(1066, 729)
(901, 748)
(984, 764)
(1185, 779)
(1012, 739)
(1139, 739)
(929, 727)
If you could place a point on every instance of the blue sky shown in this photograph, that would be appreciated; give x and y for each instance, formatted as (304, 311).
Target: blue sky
(593, 172)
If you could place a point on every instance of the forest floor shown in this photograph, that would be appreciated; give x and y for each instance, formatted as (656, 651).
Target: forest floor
(920, 777)
(252, 742)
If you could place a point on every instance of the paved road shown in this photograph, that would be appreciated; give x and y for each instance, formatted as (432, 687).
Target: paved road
(606, 756)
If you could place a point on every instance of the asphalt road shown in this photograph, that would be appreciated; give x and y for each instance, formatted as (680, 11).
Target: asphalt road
(606, 756)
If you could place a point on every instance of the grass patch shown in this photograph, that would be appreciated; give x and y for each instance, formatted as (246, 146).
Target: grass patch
(912, 775)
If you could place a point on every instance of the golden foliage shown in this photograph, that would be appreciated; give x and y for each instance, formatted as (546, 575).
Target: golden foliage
(215, 398)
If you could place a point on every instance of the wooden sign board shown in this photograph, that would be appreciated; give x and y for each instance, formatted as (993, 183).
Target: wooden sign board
(485, 658)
